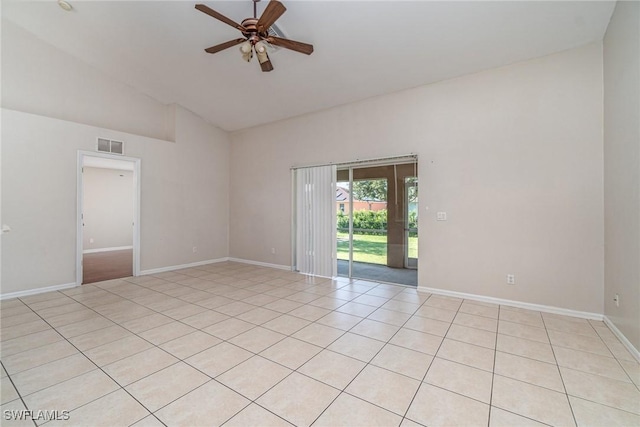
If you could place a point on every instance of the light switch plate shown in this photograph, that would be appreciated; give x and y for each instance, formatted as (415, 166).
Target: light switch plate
(441, 216)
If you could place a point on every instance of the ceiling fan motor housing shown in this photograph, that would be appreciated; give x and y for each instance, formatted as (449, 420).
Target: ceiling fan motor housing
(252, 34)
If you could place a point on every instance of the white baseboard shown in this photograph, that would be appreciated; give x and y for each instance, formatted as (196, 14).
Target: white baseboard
(261, 264)
(36, 291)
(180, 267)
(116, 248)
(634, 351)
(511, 303)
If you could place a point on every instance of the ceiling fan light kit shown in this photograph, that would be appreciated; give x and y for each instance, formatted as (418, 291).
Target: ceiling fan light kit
(256, 34)
(66, 6)
(247, 51)
(263, 58)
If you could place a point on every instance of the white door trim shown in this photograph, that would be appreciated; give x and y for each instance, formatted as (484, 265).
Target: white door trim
(79, 203)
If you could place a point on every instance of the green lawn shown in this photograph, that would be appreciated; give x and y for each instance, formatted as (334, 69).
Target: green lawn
(370, 248)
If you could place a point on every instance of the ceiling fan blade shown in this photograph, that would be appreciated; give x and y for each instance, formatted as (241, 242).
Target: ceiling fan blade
(272, 12)
(305, 48)
(219, 16)
(223, 46)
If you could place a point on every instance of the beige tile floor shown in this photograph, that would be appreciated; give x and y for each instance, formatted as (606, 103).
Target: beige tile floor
(242, 345)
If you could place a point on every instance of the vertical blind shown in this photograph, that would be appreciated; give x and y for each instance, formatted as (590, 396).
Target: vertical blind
(315, 210)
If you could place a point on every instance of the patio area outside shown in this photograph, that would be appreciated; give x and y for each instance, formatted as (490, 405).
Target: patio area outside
(380, 273)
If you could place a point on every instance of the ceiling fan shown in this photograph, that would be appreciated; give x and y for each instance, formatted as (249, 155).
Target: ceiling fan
(256, 34)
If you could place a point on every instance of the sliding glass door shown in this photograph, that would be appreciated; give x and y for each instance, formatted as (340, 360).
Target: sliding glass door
(376, 225)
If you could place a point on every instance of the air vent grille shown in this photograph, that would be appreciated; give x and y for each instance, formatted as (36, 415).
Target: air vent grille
(110, 146)
(276, 31)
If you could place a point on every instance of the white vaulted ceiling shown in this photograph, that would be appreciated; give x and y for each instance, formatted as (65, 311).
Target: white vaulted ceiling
(362, 48)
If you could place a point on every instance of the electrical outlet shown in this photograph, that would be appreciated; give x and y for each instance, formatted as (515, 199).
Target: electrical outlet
(511, 279)
(91, 240)
(616, 299)
(273, 250)
(195, 249)
(441, 216)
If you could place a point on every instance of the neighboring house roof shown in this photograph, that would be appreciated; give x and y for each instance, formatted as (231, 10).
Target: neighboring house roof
(342, 195)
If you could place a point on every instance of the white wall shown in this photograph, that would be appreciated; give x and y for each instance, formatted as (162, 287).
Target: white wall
(107, 208)
(622, 169)
(41, 79)
(184, 200)
(53, 106)
(513, 155)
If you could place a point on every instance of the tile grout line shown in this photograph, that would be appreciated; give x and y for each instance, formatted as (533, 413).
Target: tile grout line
(564, 386)
(493, 373)
(18, 393)
(323, 348)
(585, 372)
(254, 401)
(100, 368)
(616, 357)
(122, 387)
(179, 360)
(365, 366)
(591, 373)
(431, 363)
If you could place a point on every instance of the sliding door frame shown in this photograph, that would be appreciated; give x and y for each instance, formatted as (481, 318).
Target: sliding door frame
(350, 223)
(358, 164)
(350, 166)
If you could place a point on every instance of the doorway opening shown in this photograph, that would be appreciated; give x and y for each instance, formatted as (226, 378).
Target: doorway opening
(108, 217)
(377, 222)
